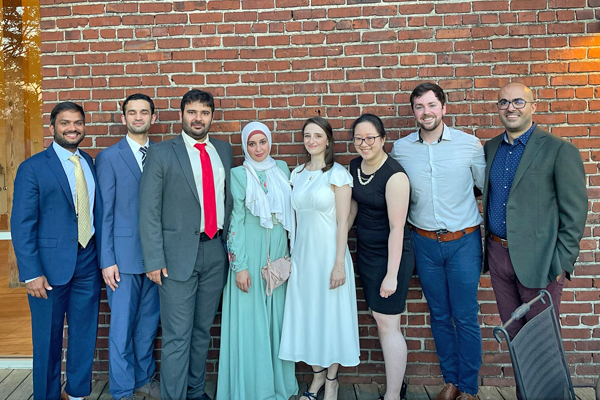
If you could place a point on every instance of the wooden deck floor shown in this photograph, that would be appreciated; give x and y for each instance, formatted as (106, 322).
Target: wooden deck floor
(17, 385)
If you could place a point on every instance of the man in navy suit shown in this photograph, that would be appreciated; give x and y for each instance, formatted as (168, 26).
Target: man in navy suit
(132, 297)
(55, 209)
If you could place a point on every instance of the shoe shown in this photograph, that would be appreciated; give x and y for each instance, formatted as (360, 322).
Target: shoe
(403, 391)
(203, 397)
(313, 396)
(467, 396)
(448, 392)
(65, 396)
(150, 390)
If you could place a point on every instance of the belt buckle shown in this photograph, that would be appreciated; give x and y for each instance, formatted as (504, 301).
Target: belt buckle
(440, 232)
(504, 243)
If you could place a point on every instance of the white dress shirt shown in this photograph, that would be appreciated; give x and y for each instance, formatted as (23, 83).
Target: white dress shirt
(218, 174)
(135, 148)
(442, 176)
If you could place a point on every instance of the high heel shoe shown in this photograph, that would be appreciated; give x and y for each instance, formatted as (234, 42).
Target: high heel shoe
(403, 391)
(314, 396)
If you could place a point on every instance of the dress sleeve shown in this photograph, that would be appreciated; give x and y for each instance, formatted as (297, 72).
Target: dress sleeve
(339, 176)
(295, 173)
(236, 239)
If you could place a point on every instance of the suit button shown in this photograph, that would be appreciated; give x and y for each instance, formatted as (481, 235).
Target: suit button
(74, 240)
(197, 233)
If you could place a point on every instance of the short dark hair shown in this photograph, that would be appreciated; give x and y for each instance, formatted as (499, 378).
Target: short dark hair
(329, 151)
(424, 88)
(138, 96)
(198, 96)
(374, 119)
(66, 106)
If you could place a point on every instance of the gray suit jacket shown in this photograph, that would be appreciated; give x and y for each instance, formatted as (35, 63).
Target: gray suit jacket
(170, 212)
(546, 209)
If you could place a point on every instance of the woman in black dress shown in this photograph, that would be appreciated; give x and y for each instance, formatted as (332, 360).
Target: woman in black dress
(384, 256)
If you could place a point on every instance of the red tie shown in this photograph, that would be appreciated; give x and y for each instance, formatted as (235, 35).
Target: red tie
(208, 192)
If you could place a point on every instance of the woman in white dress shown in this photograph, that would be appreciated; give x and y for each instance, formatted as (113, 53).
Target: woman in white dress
(320, 324)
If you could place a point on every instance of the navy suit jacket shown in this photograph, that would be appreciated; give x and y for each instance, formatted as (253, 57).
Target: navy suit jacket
(43, 222)
(119, 178)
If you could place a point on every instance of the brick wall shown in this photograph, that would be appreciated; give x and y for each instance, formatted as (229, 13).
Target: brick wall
(281, 61)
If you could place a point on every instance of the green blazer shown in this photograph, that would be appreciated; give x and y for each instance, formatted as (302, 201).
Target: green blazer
(546, 209)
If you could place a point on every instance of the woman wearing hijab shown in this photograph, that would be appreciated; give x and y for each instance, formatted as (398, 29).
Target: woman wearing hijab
(249, 367)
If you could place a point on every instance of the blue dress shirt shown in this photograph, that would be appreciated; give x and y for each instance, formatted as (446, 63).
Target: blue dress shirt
(502, 174)
(63, 155)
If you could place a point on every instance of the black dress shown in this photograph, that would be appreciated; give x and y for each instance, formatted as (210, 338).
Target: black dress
(373, 230)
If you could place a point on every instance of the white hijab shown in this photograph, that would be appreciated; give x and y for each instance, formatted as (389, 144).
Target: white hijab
(278, 199)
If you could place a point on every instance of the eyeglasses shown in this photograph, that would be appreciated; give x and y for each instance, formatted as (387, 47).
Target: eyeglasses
(369, 140)
(517, 103)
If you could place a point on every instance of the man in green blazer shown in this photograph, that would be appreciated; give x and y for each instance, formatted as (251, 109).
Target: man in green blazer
(535, 207)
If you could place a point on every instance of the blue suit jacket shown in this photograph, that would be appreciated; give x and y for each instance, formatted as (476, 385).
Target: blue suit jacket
(43, 222)
(119, 178)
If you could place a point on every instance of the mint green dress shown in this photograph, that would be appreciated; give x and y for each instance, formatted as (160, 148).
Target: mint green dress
(249, 366)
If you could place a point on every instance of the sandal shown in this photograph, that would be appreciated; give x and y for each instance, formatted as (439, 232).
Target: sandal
(311, 395)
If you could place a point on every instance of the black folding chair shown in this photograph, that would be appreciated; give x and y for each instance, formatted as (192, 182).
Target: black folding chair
(537, 354)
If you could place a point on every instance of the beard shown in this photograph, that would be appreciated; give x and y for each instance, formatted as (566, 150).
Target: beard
(68, 144)
(138, 129)
(430, 127)
(196, 134)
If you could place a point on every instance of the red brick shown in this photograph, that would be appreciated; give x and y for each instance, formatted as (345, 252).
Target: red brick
(415, 9)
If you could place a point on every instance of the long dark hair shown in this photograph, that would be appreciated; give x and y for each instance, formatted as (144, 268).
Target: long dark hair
(329, 152)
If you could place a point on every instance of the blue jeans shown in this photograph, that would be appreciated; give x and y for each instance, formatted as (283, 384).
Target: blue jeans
(449, 274)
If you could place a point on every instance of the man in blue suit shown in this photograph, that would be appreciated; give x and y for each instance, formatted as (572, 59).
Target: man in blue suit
(132, 297)
(55, 209)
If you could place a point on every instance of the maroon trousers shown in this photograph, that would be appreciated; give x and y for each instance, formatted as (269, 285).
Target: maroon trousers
(510, 293)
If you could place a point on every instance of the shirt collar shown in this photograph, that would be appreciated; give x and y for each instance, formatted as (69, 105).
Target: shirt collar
(62, 153)
(446, 135)
(135, 146)
(191, 142)
(524, 138)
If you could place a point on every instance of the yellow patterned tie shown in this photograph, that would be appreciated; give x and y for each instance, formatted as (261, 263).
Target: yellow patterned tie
(82, 204)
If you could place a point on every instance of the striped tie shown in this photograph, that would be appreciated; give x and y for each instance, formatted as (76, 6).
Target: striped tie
(143, 150)
(82, 204)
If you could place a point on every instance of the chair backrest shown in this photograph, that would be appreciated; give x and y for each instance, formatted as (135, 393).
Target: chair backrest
(538, 352)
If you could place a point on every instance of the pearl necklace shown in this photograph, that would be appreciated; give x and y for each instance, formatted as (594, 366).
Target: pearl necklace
(367, 181)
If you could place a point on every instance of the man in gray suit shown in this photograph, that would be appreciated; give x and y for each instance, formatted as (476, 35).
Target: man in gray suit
(535, 207)
(185, 205)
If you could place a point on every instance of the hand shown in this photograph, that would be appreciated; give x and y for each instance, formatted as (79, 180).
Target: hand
(154, 276)
(388, 286)
(242, 280)
(558, 277)
(338, 276)
(111, 276)
(37, 287)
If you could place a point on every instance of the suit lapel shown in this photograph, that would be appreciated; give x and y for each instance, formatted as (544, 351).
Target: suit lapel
(129, 158)
(186, 166)
(491, 148)
(58, 170)
(535, 143)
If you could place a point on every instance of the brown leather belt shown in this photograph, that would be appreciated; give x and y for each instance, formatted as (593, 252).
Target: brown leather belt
(443, 235)
(498, 239)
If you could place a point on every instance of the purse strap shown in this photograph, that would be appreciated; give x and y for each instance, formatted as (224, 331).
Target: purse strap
(268, 255)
